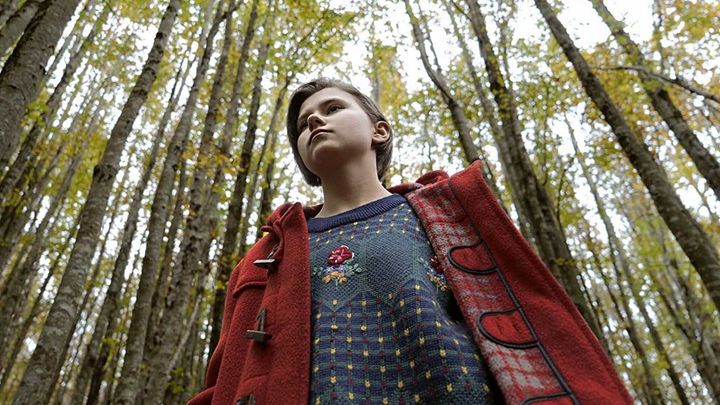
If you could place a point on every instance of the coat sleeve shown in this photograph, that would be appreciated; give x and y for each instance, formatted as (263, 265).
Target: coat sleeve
(205, 396)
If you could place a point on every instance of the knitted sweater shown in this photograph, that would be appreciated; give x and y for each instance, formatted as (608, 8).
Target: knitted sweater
(385, 326)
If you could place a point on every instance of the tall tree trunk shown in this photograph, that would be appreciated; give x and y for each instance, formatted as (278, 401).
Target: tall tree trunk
(536, 201)
(619, 261)
(489, 114)
(111, 303)
(196, 233)
(227, 255)
(706, 163)
(196, 237)
(21, 279)
(129, 383)
(58, 327)
(53, 104)
(22, 73)
(457, 111)
(648, 384)
(163, 279)
(692, 238)
(16, 24)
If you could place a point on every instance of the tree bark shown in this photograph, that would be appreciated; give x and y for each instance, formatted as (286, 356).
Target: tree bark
(457, 111)
(692, 238)
(196, 237)
(24, 70)
(619, 260)
(16, 24)
(109, 311)
(196, 233)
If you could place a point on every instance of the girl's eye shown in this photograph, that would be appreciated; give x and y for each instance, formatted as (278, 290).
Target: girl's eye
(304, 123)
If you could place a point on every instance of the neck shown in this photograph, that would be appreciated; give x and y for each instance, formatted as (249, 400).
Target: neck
(347, 189)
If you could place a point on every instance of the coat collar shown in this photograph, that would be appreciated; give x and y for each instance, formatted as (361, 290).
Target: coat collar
(274, 219)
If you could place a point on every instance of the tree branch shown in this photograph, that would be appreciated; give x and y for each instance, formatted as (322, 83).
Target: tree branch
(678, 81)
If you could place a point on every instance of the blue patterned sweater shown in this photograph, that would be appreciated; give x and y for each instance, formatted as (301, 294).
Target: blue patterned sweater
(385, 327)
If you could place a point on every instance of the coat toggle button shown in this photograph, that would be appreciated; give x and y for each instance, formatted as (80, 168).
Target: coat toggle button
(267, 264)
(259, 334)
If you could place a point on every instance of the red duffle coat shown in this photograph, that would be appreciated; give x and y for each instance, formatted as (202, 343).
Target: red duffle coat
(537, 346)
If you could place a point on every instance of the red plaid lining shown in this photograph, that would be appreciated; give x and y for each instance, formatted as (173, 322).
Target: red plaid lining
(522, 372)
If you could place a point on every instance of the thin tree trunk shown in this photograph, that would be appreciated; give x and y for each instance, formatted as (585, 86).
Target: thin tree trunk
(649, 384)
(21, 279)
(490, 116)
(706, 163)
(24, 70)
(457, 111)
(197, 234)
(111, 303)
(227, 255)
(692, 238)
(129, 383)
(619, 260)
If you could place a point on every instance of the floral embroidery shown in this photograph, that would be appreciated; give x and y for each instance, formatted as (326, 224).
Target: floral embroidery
(341, 265)
(435, 272)
(339, 255)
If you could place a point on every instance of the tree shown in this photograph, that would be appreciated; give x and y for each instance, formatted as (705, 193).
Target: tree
(18, 80)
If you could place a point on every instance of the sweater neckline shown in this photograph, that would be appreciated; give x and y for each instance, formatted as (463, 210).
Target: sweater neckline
(360, 213)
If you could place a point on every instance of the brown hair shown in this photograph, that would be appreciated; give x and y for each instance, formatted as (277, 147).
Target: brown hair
(383, 151)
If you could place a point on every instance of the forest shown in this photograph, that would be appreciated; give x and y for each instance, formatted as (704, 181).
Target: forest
(143, 145)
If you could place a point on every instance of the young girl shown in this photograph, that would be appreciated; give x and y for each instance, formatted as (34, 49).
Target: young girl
(420, 293)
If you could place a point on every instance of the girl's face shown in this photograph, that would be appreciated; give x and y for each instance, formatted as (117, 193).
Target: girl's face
(348, 133)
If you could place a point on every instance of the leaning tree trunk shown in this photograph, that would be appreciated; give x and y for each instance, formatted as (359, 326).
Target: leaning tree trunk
(456, 109)
(196, 233)
(227, 254)
(619, 260)
(34, 387)
(111, 302)
(706, 163)
(536, 201)
(22, 73)
(267, 157)
(18, 285)
(692, 238)
(490, 115)
(16, 24)
(52, 106)
(129, 383)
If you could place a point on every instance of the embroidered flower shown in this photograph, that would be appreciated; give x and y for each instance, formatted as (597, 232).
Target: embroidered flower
(341, 265)
(340, 255)
(435, 272)
(435, 263)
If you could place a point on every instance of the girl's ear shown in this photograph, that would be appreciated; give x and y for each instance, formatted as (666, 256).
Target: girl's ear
(381, 134)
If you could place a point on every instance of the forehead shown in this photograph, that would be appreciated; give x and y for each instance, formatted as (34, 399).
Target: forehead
(323, 95)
